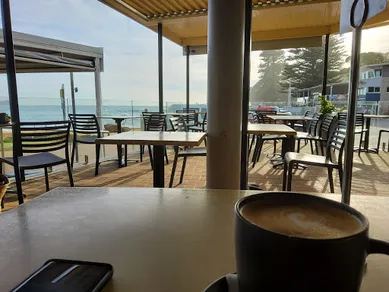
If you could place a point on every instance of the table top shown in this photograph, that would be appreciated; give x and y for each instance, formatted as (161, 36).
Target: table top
(186, 114)
(289, 118)
(377, 116)
(271, 129)
(156, 239)
(119, 117)
(155, 138)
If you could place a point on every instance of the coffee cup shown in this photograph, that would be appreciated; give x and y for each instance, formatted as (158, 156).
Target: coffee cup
(298, 242)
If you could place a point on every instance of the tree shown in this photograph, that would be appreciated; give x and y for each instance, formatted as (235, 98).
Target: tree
(304, 66)
(370, 58)
(270, 73)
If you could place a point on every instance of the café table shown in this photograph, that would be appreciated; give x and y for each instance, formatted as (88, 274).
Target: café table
(156, 239)
(368, 119)
(159, 140)
(291, 119)
(119, 120)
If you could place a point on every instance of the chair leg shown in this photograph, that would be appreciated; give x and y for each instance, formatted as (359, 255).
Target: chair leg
(298, 146)
(260, 149)
(330, 179)
(251, 145)
(97, 159)
(317, 148)
(141, 153)
(73, 152)
(125, 155)
(47, 180)
(70, 173)
(340, 171)
(256, 148)
(322, 147)
(290, 174)
(274, 147)
(174, 167)
(311, 143)
(360, 144)
(183, 170)
(151, 157)
(166, 157)
(284, 177)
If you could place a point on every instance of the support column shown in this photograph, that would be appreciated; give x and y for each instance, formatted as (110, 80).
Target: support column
(160, 67)
(351, 114)
(12, 92)
(246, 96)
(99, 100)
(225, 89)
(187, 78)
(325, 63)
(73, 96)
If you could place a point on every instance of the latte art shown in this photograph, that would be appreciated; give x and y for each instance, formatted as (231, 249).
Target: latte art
(307, 220)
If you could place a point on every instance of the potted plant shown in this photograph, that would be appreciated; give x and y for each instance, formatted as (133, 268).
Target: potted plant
(326, 107)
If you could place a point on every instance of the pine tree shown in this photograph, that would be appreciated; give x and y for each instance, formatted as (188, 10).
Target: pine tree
(270, 73)
(304, 66)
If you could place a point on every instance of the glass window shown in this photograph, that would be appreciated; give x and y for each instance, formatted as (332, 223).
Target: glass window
(377, 89)
(370, 74)
(378, 73)
(370, 89)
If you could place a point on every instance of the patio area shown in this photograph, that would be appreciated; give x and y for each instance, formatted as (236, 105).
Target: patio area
(369, 176)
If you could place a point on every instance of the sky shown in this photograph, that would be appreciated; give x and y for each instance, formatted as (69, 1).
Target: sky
(130, 54)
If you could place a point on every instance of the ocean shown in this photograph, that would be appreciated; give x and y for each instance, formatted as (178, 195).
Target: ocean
(40, 113)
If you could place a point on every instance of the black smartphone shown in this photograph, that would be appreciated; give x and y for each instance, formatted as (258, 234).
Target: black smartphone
(67, 275)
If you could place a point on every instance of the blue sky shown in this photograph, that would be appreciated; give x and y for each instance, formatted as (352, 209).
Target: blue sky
(130, 54)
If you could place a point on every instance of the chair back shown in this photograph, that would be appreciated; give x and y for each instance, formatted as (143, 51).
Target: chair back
(327, 125)
(359, 119)
(205, 121)
(146, 116)
(178, 124)
(307, 113)
(37, 137)
(336, 142)
(192, 118)
(156, 122)
(313, 124)
(85, 124)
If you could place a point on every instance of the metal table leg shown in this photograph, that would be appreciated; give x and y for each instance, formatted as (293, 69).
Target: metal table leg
(159, 166)
(367, 139)
(119, 146)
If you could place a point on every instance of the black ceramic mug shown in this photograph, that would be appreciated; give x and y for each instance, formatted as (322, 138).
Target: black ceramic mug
(272, 261)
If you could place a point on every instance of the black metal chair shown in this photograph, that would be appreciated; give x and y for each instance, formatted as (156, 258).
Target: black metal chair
(304, 125)
(38, 140)
(156, 123)
(192, 119)
(86, 130)
(335, 143)
(312, 131)
(179, 125)
(379, 139)
(359, 127)
(322, 135)
(201, 127)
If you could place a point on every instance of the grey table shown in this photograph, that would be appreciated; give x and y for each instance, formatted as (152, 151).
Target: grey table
(159, 140)
(156, 239)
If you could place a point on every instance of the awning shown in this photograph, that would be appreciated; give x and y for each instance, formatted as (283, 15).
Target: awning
(185, 22)
(39, 54)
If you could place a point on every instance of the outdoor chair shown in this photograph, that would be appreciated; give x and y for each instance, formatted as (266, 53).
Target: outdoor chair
(86, 130)
(322, 135)
(359, 127)
(38, 140)
(192, 120)
(260, 139)
(379, 139)
(304, 125)
(155, 123)
(146, 116)
(312, 131)
(334, 144)
(201, 127)
(179, 125)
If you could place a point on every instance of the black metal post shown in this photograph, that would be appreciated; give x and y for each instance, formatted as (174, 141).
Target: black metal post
(12, 92)
(73, 95)
(351, 114)
(246, 96)
(325, 63)
(159, 167)
(187, 78)
(160, 68)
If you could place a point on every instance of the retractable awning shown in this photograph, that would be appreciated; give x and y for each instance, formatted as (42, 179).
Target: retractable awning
(185, 22)
(34, 54)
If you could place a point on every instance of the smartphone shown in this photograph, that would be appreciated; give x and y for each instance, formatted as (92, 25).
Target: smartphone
(67, 275)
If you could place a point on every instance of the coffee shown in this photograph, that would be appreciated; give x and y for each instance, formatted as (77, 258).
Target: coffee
(302, 219)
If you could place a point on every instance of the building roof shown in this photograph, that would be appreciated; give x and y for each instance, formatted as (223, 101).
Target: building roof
(185, 22)
(39, 54)
(374, 66)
